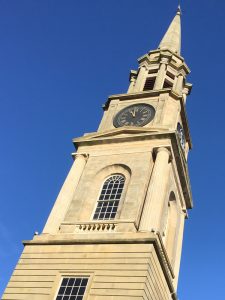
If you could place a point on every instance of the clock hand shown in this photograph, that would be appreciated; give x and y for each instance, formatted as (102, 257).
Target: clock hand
(133, 113)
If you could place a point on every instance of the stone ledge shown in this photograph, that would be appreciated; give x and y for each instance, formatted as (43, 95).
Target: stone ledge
(141, 95)
(113, 238)
(104, 226)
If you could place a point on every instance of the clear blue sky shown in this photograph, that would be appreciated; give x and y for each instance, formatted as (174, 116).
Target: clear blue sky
(59, 60)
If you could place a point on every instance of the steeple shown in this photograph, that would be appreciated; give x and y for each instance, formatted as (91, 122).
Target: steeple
(116, 228)
(172, 38)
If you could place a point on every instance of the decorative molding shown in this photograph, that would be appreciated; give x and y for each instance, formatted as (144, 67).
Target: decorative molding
(164, 60)
(104, 226)
(95, 227)
(185, 91)
(164, 149)
(77, 154)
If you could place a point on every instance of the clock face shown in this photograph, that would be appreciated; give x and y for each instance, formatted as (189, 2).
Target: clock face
(134, 115)
(181, 135)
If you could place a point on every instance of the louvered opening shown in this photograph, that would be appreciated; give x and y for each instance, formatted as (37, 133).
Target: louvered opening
(170, 75)
(152, 71)
(149, 84)
(167, 84)
(174, 61)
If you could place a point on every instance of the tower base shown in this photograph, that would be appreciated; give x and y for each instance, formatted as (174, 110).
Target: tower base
(119, 267)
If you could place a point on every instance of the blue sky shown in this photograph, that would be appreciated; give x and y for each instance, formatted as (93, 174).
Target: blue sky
(59, 60)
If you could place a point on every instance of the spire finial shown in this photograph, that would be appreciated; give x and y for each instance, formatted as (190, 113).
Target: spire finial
(172, 39)
(179, 11)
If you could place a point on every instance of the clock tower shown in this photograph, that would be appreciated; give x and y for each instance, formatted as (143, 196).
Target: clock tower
(115, 231)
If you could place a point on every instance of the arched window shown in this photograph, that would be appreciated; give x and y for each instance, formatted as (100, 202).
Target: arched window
(109, 198)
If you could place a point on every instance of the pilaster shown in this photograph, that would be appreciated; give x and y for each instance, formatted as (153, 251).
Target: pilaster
(179, 84)
(65, 196)
(156, 192)
(161, 74)
(139, 85)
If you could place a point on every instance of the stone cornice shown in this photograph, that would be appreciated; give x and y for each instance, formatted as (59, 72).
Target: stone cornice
(165, 53)
(141, 95)
(118, 133)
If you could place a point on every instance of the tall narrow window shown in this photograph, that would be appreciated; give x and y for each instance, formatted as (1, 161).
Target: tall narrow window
(72, 288)
(109, 198)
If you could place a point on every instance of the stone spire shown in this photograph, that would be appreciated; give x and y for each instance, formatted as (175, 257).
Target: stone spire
(172, 38)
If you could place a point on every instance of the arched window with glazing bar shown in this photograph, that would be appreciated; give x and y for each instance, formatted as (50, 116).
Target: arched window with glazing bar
(109, 199)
